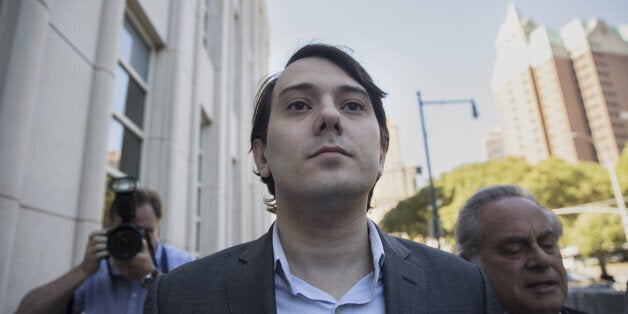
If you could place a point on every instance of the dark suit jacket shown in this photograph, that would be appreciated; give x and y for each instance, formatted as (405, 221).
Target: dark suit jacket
(568, 310)
(240, 279)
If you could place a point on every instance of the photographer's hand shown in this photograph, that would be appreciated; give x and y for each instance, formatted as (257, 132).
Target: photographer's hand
(138, 266)
(95, 251)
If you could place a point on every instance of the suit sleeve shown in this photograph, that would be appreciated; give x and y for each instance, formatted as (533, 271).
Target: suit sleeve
(491, 304)
(150, 304)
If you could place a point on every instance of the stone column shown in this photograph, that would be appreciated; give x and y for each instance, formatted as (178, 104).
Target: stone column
(17, 104)
(93, 174)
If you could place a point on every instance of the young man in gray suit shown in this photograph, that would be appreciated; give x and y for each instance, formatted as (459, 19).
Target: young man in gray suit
(319, 141)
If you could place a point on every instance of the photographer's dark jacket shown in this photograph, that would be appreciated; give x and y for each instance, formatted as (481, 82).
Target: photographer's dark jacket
(109, 292)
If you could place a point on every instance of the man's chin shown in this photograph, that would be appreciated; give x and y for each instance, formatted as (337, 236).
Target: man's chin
(551, 306)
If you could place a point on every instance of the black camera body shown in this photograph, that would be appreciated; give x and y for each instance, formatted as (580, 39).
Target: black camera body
(125, 240)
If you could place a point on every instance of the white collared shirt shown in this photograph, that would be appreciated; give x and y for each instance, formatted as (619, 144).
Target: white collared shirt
(294, 295)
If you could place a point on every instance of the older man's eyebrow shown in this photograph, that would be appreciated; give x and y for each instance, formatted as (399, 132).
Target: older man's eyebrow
(547, 234)
(524, 239)
(513, 239)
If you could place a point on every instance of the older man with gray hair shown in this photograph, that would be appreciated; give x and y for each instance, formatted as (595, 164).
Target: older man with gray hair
(505, 231)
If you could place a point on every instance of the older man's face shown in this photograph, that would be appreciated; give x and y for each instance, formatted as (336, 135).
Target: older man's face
(520, 254)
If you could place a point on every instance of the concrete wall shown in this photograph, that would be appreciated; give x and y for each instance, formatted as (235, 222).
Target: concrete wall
(57, 74)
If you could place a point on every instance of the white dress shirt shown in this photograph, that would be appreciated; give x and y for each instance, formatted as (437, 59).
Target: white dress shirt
(294, 295)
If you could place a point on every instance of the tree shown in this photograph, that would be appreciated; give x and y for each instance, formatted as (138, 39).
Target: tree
(593, 233)
(452, 190)
(622, 170)
(411, 216)
(462, 182)
(554, 183)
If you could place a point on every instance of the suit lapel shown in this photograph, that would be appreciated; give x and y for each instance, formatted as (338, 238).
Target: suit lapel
(405, 286)
(251, 287)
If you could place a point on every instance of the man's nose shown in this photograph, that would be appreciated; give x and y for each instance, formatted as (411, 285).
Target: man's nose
(539, 258)
(329, 118)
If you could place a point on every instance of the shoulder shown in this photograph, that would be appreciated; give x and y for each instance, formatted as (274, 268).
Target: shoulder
(424, 255)
(440, 267)
(203, 283)
(219, 264)
(219, 259)
(177, 256)
(453, 283)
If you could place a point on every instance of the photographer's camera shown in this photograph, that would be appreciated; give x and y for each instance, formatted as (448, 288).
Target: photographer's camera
(124, 241)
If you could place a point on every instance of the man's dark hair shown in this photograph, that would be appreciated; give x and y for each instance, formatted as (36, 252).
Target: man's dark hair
(347, 63)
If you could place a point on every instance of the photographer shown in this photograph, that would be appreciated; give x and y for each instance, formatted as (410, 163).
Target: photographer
(104, 284)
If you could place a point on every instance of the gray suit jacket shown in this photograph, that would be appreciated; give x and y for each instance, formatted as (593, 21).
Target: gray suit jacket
(240, 279)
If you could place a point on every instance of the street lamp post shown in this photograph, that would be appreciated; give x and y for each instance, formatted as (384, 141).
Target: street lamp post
(436, 220)
(619, 198)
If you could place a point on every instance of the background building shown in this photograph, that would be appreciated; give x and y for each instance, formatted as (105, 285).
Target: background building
(161, 90)
(398, 181)
(495, 145)
(560, 92)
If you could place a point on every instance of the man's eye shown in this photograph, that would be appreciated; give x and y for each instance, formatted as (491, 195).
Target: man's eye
(548, 246)
(353, 106)
(512, 250)
(299, 105)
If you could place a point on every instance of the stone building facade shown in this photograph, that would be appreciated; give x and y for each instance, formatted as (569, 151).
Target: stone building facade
(158, 89)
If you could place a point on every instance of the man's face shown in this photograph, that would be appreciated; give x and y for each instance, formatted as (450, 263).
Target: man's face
(323, 138)
(520, 254)
(146, 219)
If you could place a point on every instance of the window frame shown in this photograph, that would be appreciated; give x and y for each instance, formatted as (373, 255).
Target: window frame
(144, 84)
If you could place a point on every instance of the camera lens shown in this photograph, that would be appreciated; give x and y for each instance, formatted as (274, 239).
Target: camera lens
(124, 242)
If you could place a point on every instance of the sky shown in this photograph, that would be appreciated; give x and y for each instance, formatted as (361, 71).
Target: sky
(442, 48)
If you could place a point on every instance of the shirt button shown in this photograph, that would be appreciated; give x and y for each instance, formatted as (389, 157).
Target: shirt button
(337, 311)
(134, 295)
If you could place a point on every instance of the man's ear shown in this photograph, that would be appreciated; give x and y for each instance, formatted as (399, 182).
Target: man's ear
(382, 158)
(259, 150)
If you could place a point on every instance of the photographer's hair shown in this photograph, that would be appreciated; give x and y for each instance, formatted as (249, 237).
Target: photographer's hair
(340, 58)
(468, 228)
(143, 196)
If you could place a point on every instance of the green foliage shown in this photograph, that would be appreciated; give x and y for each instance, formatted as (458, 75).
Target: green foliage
(622, 170)
(594, 233)
(554, 183)
(411, 216)
(462, 182)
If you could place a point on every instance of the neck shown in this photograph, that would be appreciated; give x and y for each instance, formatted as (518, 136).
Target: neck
(328, 248)
(322, 239)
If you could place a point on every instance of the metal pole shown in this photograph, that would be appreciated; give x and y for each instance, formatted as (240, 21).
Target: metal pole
(429, 173)
(619, 198)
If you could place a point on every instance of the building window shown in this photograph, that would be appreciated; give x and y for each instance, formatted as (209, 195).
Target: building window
(126, 129)
(206, 25)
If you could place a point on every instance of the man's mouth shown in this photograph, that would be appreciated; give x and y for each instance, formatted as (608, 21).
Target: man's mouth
(542, 286)
(329, 150)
